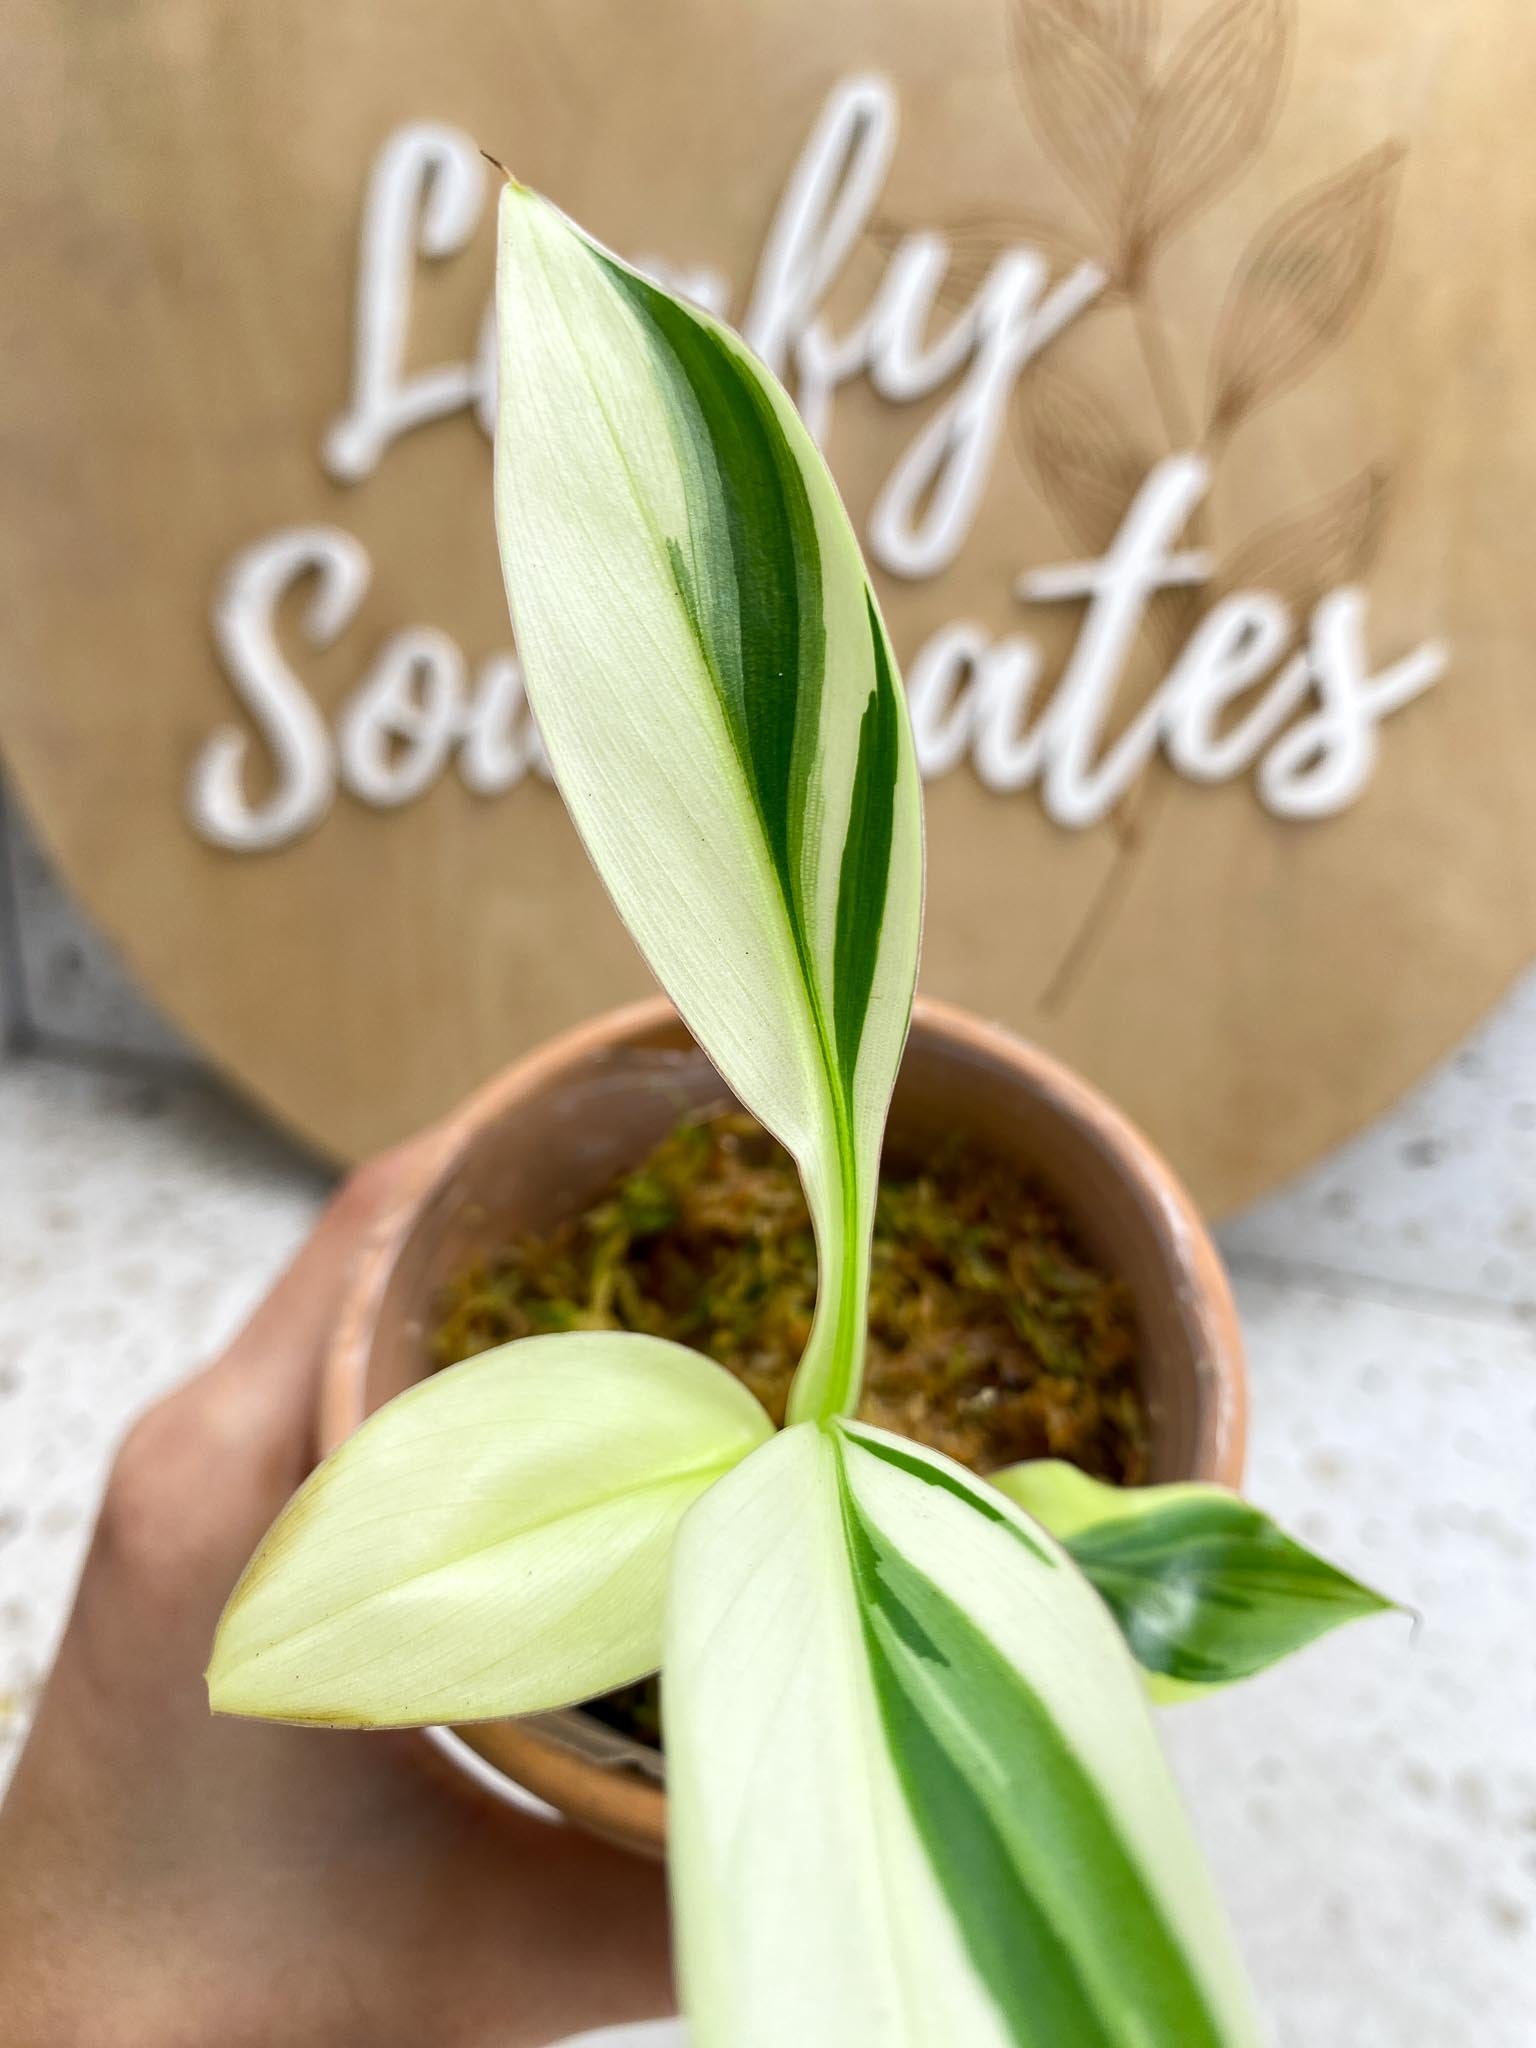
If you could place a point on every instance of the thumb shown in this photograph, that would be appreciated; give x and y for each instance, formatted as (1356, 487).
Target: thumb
(262, 1387)
(201, 1475)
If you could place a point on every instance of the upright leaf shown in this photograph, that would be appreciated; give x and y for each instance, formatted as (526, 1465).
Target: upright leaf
(493, 1541)
(721, 708)
(1206, 1589)
(916, 1799)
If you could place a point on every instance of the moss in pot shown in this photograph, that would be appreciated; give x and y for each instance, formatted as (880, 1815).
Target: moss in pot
(905, 1705)
(993, 1337)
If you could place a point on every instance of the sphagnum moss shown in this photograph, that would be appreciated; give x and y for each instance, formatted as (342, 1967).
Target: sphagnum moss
(992, 1336)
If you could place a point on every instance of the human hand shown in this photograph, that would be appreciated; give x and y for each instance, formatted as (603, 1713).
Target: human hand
(169, 1879)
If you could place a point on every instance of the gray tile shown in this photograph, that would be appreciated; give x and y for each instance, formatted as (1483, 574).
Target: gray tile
(14, 1030)
(140, 1218)
(68, 986)
(1370, 1807)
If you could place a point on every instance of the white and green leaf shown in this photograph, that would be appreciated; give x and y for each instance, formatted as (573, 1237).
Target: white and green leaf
(722, 710)
(1207, 1589)
(915, 1794)
(493, 1541)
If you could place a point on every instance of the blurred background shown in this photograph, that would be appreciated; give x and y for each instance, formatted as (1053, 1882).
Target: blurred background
(1022, 262)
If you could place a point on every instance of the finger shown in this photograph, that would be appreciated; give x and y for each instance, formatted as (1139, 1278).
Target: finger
(278, 1350)
(257, 1400)
(201, 1474)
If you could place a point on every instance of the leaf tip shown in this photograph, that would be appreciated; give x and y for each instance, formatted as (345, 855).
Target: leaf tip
(223, 1697)
(496, 164)
(220, 1676)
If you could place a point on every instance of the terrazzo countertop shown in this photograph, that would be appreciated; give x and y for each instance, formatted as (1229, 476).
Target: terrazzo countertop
(1370, 1808)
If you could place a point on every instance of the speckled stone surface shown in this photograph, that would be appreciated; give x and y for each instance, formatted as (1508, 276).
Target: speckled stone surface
(139, 1221)
(1370, 1809)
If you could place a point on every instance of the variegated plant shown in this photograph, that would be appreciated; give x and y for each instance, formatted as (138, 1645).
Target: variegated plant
(915, 1794)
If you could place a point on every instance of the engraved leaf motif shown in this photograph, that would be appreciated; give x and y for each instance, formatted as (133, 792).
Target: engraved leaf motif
(1331, 541)
(976, 241)
(1207, 116)
(1084, 95)
(1087, 461)
(1303, 283)
(1128, 28)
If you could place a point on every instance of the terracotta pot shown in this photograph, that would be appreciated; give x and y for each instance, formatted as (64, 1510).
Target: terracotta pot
(538, 1143)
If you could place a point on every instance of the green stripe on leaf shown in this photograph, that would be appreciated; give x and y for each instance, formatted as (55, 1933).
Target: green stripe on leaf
(1206, 1588)
(1018, 1834)
(750, 571)
(950, 1478)
(865, 875)
(915, 1796)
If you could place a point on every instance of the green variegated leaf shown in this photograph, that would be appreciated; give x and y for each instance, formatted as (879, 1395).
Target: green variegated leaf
(493, 1541)
(1206, 1589)
(721, 708)
(916, 1799)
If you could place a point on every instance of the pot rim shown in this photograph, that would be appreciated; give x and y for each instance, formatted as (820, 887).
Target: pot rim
(617, 1802)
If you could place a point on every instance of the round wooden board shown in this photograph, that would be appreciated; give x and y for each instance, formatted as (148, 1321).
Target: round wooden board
(1314, 229)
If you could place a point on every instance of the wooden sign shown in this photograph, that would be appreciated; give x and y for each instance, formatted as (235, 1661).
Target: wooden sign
(1173, 360)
